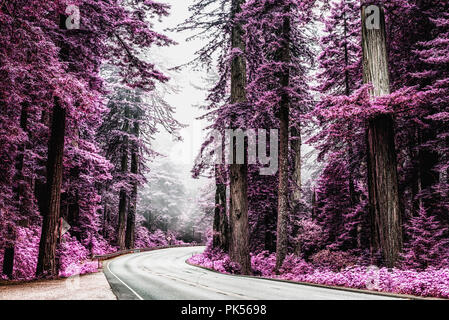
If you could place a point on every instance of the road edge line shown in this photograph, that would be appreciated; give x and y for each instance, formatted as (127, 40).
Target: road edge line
(355, 290)
(131, 289)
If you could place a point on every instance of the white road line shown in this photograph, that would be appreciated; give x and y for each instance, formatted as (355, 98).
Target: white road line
(198, 285)
(137, 295)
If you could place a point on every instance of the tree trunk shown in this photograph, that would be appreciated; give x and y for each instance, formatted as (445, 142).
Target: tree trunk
(382, 167)
(352, 193)
(123, 200)
(428, 160)
(46, 264)
(314, 205)
(238, 208)
(8, 257)
(296, 148)
(131, 221)
(221, 229)
(283, 206)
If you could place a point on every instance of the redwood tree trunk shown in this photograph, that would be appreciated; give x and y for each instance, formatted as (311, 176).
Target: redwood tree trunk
(238, 208)
(46, 264)
(131, 220)
(296, 149)
(123, 197)
(283, 206)
(221, 229)
(352, 193)
(382, 166)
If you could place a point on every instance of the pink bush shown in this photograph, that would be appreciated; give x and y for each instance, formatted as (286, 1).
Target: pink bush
(263, 263)
(333, 260)
(74, 258)
(216, 260)
(145, 239)
(429, 283)
(100, 246)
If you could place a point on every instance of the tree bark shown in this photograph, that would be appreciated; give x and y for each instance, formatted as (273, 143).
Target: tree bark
(314, 205)
(296, 148)
(123, 197)
(382, 167)
(220, 228)
(283, 206)
(131, 220)
(352, 193)
(428, 160)
(238, 208)
(46, 264)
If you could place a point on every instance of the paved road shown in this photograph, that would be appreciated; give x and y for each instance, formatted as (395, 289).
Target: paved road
(164, 275)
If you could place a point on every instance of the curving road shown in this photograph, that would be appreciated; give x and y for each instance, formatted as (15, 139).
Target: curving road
(164, 275)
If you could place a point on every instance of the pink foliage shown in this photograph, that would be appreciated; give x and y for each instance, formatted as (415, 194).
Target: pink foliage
(428, 283)
(333, 260)
(74, 258)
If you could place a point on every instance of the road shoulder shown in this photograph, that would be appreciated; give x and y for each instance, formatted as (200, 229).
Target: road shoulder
(93, 286)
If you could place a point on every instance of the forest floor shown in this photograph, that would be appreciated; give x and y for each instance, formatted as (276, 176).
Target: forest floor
(92, 286)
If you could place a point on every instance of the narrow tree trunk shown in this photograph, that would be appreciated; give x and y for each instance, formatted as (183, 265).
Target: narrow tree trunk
(123, 197)
(382, 167)
(131, 221)
(238, 208)
(283, 206)
(46, 264)
(314, 205)
(428, 159)
(220, 228)
(8, 257)
(352, 193)
(415, 184)
(296, 148)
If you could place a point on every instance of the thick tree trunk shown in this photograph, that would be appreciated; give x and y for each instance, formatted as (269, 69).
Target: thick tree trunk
(123, 197)
(220, 228)
(8, 257)
(238, 207)
(46, 264)
(131, 221)
(283, 206)
(382, 167)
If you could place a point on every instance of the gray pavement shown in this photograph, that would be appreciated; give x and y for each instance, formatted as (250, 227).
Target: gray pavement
(164, 275)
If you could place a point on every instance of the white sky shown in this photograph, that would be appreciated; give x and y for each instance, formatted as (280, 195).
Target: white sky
(187, 97)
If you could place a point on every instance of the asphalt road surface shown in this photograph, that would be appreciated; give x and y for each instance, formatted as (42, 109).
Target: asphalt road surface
(164, 275)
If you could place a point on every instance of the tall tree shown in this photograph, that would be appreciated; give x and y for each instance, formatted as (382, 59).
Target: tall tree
(132, 209)
(123, 197)
(341, 139)
(280, 57)
(238, 207)
(382, 167)
(123, 32)
(283, 206)
(46, 264)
